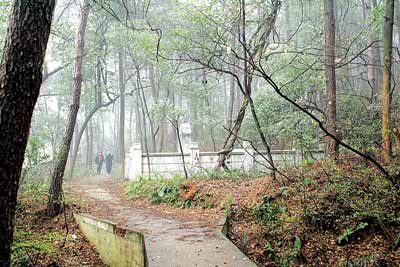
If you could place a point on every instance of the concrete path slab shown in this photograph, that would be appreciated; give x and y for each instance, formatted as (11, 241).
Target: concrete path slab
(169, 242)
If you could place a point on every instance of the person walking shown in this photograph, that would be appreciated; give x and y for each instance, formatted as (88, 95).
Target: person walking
(99, 162)
(109, 161)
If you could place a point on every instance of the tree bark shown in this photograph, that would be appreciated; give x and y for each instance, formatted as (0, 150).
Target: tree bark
(157, 140)
(121, 142)
(374, 72)
(232, 135)
(231, 98)
(87, 136)
(54, 206)
(386, 84)
(370, 52)
(377, 60)
(245, 84)
(20, 81)
(90, 157)
(331, 146)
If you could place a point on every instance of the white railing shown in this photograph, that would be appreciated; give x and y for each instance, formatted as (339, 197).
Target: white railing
(169, 164)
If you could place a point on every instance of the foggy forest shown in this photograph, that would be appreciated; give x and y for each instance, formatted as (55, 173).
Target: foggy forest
(199, 133)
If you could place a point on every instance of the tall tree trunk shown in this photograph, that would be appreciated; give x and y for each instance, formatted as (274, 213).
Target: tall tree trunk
(377, 59)
(331, 146)
(370, 52)
(130, 125)
(98, 90)
(231, 98)
(151, 122)
(54, 206)
(152, 79)
(20, 81)
(121, 142)
(387, 75)
(155, 94)
(90, 159)
(163, 129)
(234, 131)
(374, 71)
(139, 134)
(87, 135)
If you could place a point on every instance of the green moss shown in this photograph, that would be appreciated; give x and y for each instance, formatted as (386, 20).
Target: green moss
(29, 242)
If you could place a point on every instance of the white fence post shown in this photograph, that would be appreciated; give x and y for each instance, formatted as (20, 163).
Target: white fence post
(248, 160)
(298, 157)
(135, 161)
(194, 156)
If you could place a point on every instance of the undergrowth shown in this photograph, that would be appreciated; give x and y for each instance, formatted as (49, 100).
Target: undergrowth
(158, 190)
(28, 244)
(324, 208)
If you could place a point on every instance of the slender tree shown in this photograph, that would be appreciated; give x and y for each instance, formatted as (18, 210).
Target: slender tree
(373, 63)
(387, 76)
(231, 98)
(54, 206)
(121, 141)
(252, 51)
(331, 146)
(20, 80)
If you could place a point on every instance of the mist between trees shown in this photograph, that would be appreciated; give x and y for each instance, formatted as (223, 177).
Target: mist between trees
(295, 74)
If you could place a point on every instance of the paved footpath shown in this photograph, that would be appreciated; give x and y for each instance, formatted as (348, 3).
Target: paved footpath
(169, 242)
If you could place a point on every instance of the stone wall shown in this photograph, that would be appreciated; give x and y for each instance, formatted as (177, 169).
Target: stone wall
(127, 250)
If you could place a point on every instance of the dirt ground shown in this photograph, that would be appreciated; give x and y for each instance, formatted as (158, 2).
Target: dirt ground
(41, 241)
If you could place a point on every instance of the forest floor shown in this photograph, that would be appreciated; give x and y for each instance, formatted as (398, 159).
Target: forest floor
(172, 238)
(41, 241)
(322, 214)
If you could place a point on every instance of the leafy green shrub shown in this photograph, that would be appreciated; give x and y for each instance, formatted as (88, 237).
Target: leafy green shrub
(140, 187)
(157, 190)
(165, 193)
(267, 213)
(369, 199)
(323, 219)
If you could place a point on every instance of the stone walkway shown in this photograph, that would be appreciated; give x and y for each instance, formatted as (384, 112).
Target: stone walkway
(169, 242)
